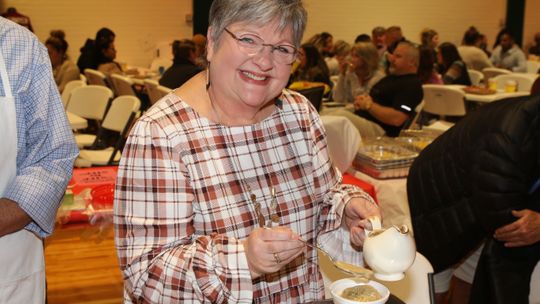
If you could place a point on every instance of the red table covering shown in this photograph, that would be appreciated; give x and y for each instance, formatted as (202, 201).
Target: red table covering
(351, 180)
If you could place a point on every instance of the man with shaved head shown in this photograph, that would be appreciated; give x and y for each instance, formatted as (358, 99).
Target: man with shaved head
(391, 103)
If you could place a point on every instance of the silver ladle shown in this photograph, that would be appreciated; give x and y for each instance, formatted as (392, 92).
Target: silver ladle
(354, 270)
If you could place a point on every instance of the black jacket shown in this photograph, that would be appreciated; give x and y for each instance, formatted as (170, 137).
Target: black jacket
(464, 185)
(181, 71)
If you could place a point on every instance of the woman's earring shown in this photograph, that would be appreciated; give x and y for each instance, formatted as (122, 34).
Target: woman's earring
(208, 76)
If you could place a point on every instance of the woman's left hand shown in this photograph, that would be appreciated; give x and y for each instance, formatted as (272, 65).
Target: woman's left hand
(355, 216)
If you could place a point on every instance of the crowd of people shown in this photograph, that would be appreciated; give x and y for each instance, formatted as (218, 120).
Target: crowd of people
(356, 69)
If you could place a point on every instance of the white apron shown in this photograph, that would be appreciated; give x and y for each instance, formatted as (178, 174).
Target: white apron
(22, 267)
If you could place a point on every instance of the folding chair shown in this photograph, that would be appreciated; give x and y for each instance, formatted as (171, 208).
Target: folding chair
(90, 102)
(118, 120)
(476, 77)
(66, 94)
(443, 101)
(524, 81)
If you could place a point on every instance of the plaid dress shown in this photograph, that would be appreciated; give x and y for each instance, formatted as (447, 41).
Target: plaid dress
(182, 204)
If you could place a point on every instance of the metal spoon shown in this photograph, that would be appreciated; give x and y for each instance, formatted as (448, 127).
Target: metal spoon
(354, 270)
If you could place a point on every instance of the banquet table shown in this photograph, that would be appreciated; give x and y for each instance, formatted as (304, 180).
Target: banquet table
(76, 122)
(487, 98)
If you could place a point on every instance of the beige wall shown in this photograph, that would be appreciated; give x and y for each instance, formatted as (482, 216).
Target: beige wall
(141, 25)
(449, 18)
(532, 22)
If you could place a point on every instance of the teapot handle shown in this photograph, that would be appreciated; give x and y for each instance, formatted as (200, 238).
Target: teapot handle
(375, 224)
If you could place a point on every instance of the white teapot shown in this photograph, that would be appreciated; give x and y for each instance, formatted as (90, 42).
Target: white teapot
(389, 252)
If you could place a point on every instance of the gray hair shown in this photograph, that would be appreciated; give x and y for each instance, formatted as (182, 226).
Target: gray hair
(258, 12)
(412, 52)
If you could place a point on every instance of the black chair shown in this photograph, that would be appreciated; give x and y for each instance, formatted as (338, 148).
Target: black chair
(314, 95)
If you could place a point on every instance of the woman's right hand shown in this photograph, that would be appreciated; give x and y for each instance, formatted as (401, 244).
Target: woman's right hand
(268, 250)
(343, 66)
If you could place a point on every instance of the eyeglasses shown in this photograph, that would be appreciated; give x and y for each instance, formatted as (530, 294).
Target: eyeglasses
(253, 45)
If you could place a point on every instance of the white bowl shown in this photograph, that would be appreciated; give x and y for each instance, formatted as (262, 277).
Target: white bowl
(337, 287)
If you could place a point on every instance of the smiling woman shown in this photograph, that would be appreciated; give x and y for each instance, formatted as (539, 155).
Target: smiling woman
(222, 179)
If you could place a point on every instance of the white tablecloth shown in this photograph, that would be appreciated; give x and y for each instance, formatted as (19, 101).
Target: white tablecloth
(392, 198)
(500, 94)
(343, 140)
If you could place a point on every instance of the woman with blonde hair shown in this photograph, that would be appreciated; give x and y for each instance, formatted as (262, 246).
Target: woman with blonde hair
(358, 74)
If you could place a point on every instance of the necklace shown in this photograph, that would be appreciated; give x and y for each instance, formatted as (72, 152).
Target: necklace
(274, 217)
(251, 197)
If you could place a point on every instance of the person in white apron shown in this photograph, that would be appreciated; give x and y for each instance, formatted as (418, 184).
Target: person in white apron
(22, 267)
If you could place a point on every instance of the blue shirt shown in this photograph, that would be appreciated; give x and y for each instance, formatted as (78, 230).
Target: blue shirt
(46, 147)
(513, 59)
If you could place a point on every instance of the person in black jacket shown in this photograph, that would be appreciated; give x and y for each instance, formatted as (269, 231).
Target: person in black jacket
(184, 64)
(478, 183)
(89, 51)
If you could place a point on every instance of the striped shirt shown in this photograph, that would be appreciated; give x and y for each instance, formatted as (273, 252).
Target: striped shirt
(182, 204)
(46, 147)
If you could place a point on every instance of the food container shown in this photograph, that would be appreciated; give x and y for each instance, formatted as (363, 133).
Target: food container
(337, 287)
(384, 158)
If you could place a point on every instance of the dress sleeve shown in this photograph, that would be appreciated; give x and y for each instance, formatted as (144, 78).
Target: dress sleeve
(162, 259)
(333, 196)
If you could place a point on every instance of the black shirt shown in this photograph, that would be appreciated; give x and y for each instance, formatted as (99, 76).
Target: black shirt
(401, 92)
(181, 71)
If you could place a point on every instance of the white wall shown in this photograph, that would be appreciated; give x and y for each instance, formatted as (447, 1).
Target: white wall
(141, 25)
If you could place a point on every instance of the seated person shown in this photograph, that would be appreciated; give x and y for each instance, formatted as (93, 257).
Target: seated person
(341, 51)
(359, 73)
(507, 55)
(184, 64)
(473, 56)
(426, 67)
(64, 70)
(429, 38)
(106, 53)
(535, 49)
(451, 67)
(378, 37)
(200, 50)
(391, 103)
(88, 58)
(311, 66)
(324, 42)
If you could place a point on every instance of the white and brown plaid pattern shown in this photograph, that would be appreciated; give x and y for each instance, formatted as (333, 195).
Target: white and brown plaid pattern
(182, 205)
